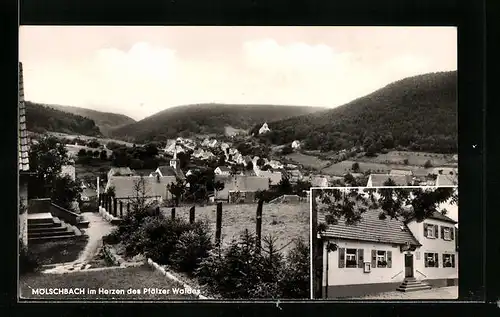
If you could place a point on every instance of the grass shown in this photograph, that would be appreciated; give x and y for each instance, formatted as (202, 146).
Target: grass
(120, 279)
(286, 222)
(53, 252)
(414, 158)
(307, 160)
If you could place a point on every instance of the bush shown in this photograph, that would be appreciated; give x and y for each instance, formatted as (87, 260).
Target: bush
(28, 262)
(193, 246)
(243, 271)
(296, 281)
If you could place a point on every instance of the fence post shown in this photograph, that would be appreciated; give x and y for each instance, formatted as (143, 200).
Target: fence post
(128, 207)
(258, 224)
(218, 224)
(115, 207)
(157, 211)
(108, 204)
(121, 209)
(173, 213)
(191, 214)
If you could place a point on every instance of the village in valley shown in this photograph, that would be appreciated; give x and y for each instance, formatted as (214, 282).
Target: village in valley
(216, 200)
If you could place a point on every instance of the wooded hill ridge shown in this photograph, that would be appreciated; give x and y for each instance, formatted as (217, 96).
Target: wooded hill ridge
(417, 113)
(209, 118)
(42, 118)
(106, 121)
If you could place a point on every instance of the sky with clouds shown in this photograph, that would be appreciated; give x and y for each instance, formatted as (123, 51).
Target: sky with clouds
(138, 71)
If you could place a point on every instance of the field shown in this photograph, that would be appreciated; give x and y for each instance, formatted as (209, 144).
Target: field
(87, 138)
(307, 160)
(111, 279)
(414, 158)
(230, 131)
(283, 221)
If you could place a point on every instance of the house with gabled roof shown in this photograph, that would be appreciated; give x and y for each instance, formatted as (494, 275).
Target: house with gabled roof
(156, 188)
(222, 170)
(240, 188)
(387, 254)
(120, 171)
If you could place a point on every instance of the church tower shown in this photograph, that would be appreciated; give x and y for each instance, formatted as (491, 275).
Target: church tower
(175, 162)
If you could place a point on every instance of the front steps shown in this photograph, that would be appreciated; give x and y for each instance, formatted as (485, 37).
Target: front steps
(410, 284)
(43, 229)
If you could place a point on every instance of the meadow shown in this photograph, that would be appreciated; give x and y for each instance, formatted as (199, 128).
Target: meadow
(307, 160)
(286, 222)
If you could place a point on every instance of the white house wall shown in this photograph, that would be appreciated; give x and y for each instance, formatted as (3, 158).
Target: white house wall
(349, 276)
(436, 245)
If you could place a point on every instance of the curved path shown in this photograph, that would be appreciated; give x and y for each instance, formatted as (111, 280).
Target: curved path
(98, 227)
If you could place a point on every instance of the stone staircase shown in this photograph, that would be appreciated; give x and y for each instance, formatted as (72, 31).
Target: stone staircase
(43, 229)
(410, 284)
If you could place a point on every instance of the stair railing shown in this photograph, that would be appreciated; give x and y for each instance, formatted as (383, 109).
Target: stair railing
(421, 273)
(397, 274)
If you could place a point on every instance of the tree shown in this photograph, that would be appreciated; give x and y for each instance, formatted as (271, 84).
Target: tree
(65, 191)
(393, 202)
(82, 153)
(428, 164)
(405, 161)
(177, 189)
(266, 167)
(249, 166)
(94, 144)
(151, 149)
(103, 155)
(46, 160)
(261, 162)
(287, 150)
(355, 167)
(390, 182)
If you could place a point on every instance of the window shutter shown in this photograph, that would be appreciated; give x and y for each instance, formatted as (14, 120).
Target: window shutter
(360, 257)
(452, 233)
(341, 257)
(389, 259)
(425, 230)
(436, 232)
(374, 258)
(442, 232)
(436, 263)
(425, 260)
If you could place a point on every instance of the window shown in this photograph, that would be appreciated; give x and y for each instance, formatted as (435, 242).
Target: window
(446, 234)
(431, 260)
(448, 260)
(381, 259)
(350, 258)
(431, 231)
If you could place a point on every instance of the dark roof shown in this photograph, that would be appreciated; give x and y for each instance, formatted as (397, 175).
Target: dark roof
(23, 141)
(436, 215)
(121, 171)
(125, 185)
(380, 179)
(371, 228)
(224, 168)
(167, 171)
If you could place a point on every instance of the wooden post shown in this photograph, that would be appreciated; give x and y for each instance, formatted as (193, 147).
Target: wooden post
(191, 214)
(128, 207)
(317, 250)
(108, 204)
(173, 213)
(157, 211)
(258, 224)
(121, 209)
(218, 224)
(103, 199)
(115, 207)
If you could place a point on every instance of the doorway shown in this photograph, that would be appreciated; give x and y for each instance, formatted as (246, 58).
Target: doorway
(408, 265)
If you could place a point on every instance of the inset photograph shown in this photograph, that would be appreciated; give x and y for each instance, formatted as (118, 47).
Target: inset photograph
(385, 243)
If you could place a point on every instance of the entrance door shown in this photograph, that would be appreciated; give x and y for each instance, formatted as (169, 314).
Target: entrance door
(408, 265)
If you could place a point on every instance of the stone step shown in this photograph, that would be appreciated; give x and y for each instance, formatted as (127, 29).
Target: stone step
(411, 282)
(65, 232)
(412, 289)
(43, 225)
(47, 229)
(51, 238)
(40, 220)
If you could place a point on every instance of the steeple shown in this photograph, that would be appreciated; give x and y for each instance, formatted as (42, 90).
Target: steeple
(174, 162)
